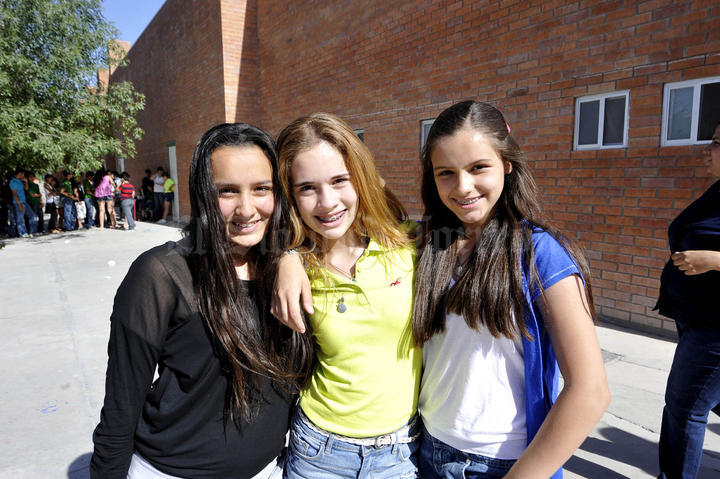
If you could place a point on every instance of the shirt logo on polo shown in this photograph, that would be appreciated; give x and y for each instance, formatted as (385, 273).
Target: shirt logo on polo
(396, 282)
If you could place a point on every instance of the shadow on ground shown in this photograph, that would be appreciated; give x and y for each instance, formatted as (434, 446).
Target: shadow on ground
(631, 450)
(78, 469)
(619, 445)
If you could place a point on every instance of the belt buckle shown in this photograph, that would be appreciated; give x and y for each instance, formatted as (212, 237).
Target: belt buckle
(382, 441)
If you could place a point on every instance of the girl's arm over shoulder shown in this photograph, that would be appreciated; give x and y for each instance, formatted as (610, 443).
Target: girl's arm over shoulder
(291, 290)
(584, 398)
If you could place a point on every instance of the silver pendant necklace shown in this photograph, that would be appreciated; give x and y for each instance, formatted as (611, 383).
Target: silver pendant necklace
(341, 306)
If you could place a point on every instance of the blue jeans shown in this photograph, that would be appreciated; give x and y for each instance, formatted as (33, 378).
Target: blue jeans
(316, 455)
(89, 213)
(693, 389)
(38, 210)
(20, 216)
(127, 208)
(441, 461)
(69, 222)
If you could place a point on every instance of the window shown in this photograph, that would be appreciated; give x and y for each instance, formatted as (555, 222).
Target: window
(691, 110)
(424, 130)
(601, 121)
(360, 134)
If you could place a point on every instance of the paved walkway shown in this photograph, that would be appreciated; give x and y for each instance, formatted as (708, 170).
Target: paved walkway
(55, 300)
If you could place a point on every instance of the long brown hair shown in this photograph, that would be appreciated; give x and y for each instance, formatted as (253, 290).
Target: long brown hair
(379, 211)
(489, 292)
(247, 348)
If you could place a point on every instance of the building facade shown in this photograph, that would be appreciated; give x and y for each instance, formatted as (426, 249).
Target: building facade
(611, 101)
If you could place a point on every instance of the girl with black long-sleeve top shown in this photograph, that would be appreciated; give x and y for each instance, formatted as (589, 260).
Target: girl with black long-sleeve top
(195, 310)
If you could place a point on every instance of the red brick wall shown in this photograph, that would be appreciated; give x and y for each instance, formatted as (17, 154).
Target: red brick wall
(386, 65)
(240, 60)
(190, 82)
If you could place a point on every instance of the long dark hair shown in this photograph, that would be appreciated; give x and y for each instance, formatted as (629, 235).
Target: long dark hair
(99, 175)
(248, 349)
(489, 291)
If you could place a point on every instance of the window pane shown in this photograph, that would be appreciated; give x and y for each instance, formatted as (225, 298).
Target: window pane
(426, 125)
(614, 124)
(679, 116)
(709, 110)
(589, 121)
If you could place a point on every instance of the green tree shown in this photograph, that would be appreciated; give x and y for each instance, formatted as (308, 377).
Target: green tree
(50, 52)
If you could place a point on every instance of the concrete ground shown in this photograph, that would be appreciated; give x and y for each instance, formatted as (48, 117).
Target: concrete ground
(56, 297)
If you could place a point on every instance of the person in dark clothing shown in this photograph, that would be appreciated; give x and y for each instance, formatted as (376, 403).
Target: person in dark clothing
(197, 312)
(158, 193)
(6, 205)
(34, 199)
(688, 294)
(148, 204)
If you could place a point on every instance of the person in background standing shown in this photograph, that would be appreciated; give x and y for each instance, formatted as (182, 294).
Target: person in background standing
(104, 196)
(5, 204)
(168, 196)
(49, 185)
(80, 211)
(21, 209)
(68, 196)
(116, 195)
(688, 294)
(127, 200)
(158, 193)
(34, 199)
(89, 197)
(148, 204)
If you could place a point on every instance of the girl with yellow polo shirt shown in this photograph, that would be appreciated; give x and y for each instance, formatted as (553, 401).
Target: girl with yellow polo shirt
(357, 414)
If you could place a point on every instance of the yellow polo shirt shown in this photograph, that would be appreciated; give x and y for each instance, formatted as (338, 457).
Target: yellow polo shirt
(368, 373)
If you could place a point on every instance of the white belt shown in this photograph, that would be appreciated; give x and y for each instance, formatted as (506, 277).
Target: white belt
(377, 441)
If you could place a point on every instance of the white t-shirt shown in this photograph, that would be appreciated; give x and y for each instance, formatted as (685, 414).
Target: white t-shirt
(158, 184)
(472, 394)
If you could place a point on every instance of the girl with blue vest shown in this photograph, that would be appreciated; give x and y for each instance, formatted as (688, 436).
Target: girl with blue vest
(357, 413)
(501, 299)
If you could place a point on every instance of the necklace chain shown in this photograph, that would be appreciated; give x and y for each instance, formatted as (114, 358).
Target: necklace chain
(341, 306)
(348, 274)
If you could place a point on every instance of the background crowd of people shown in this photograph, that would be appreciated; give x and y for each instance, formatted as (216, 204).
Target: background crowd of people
(99, 199)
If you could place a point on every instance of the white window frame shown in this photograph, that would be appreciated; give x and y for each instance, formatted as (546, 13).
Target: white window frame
(425, 123)
(358, 132)
(695, 118)
(601, 120)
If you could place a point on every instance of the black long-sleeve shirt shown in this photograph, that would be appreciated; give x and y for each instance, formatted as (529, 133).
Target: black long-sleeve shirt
(692, 300)
(177, 422)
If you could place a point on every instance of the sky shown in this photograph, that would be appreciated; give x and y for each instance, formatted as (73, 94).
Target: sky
(130, 16)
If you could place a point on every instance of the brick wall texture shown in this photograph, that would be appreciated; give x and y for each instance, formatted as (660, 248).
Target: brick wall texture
(387, 65)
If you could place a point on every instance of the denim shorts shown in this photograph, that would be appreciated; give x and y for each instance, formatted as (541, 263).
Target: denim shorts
(313, 454)
(105, 198)
(438, 460)
(169, 197)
